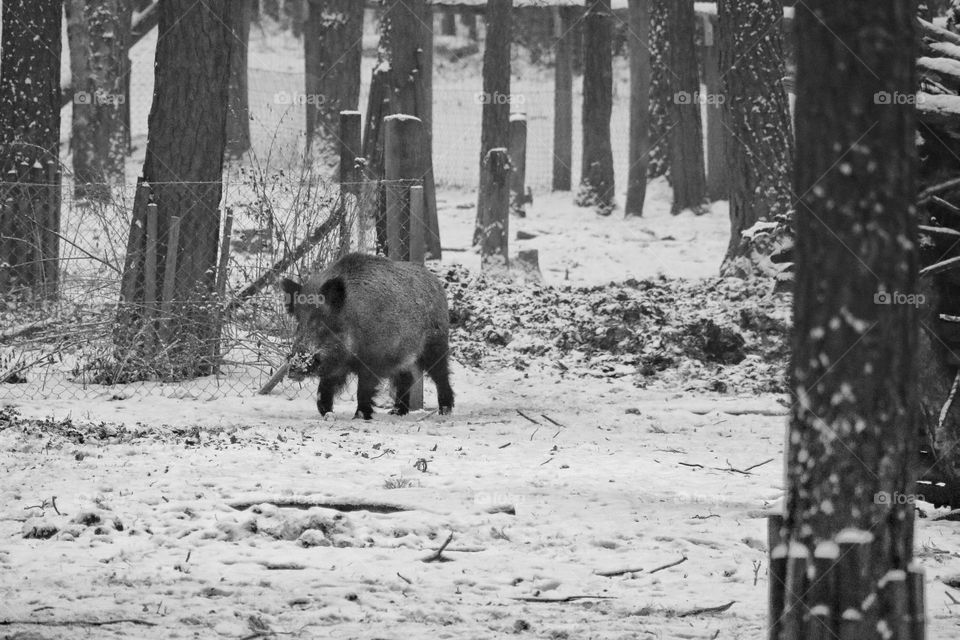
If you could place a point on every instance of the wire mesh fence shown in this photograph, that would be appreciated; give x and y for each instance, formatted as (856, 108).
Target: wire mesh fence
(77, 343)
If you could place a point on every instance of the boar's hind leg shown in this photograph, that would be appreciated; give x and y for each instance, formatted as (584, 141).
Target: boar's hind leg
(434, 362)
(328, 388)
(401, 402)
(366, 388)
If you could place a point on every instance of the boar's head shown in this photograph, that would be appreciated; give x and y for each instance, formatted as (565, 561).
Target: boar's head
(320, 344)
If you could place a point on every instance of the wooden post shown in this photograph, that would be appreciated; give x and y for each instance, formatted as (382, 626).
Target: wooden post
(793, 623)
(893, 603)
(563, 101)
(135, 243)
(222, 261)
(716, 132)
(403, 162)
(518, 162)
(778, 574)
(469, 20)
(38, 220)
(169, 274)
(350, 150)
(852, 588)
(494, 221)
(916, 611)
(150, 272)
(448, 22)
(418, 248)
(52, 200)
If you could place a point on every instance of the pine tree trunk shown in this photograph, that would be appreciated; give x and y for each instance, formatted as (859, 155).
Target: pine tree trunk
(184, 164)
(853, 429)
(238, 100)
(563, 100)
(638, 42)
(29, 131)
(98, 33)
(332, 49)
(687, 175)
(596, 179)
(495, 117)
(759, 149)
(660, 87)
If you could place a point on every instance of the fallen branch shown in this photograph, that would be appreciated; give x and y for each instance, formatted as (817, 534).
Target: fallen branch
(746, 471)
(692, 464)
(274, 380)
(667, 566)
(565, 599)
(437, 556)
(940, 267)
(549, 419)
(527, 417)
(929, 192)
(618, 572)
(79, 623)
(696, 612)
(29, 327)
(405, 579)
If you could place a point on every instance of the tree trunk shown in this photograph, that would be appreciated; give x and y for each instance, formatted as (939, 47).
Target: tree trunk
(759, 150)
(29, 130)
(563, 100)
(596, 177)
(184, 164)
(660, 87)
(271, 9)
(853, 429)
(402, 84)
(448, 22)
(98, 33)
(495, 117)
(639, 48)
(469, 20)
(686, 174)
(238, 103)
(333, 46)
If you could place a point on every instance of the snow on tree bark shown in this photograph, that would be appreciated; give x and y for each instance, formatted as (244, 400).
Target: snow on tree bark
(98, 32)
(660, 95)
(596, 177)
(853, 429)
(759, 153)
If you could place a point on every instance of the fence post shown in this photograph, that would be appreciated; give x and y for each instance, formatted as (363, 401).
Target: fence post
(418, 249)
(716, 132)
(169, 275)
(350, 125)
(222, 261)
(855, 549)
(403, 164)
(778, 573)
(563, 101)
(916, 610)
(150, 273)
(53, 222)
(518, 162)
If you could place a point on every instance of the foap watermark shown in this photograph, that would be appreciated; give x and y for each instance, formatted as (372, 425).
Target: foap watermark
(896, 297)
(99, 97)
(685, 97)
(896, 498)
(303, 299)
(485, 97)
(294, 98)
(896, 97)
(497, 498)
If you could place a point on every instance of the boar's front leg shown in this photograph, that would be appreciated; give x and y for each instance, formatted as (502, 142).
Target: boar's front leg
(366, 389)
(403, 381)
(328, 388)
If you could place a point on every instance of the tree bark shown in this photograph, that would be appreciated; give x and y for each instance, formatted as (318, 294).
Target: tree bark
(596, 179)
(333, 44)
(639, 48)
(29, 132)
(759, 149)
(184, 164)
(660, 86)
(98, 33)
(687, 176)
(238, 100)
(563, 100)
(853, 429)
(495, 118)
(448, 22)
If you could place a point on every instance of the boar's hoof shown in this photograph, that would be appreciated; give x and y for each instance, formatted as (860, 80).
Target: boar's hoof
(366, 415)
(399, 410)
(445, 411)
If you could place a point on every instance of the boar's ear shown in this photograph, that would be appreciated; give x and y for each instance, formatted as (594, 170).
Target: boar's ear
(334, 292)
(290, 290)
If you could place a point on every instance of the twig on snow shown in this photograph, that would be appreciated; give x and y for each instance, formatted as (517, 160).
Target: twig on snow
(437, 556)
(527, 417)
(667, 566)
(697, 612)
(565, 599)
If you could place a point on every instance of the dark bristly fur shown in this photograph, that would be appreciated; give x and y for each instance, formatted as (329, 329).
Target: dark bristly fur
(376, 318)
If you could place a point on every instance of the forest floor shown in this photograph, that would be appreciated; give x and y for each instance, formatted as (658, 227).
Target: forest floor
(610, 420)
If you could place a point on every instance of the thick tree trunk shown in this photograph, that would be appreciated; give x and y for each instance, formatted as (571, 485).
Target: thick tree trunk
(638, 43)
(333, 46)
(853, 429)
(402, 84)
(184, 164)
(98, 33)
(687, 176)
(238, 101)
(759, 149)
(563, 100)
(29, 131)
(596, 178)
(660, 87)
(495, 118)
